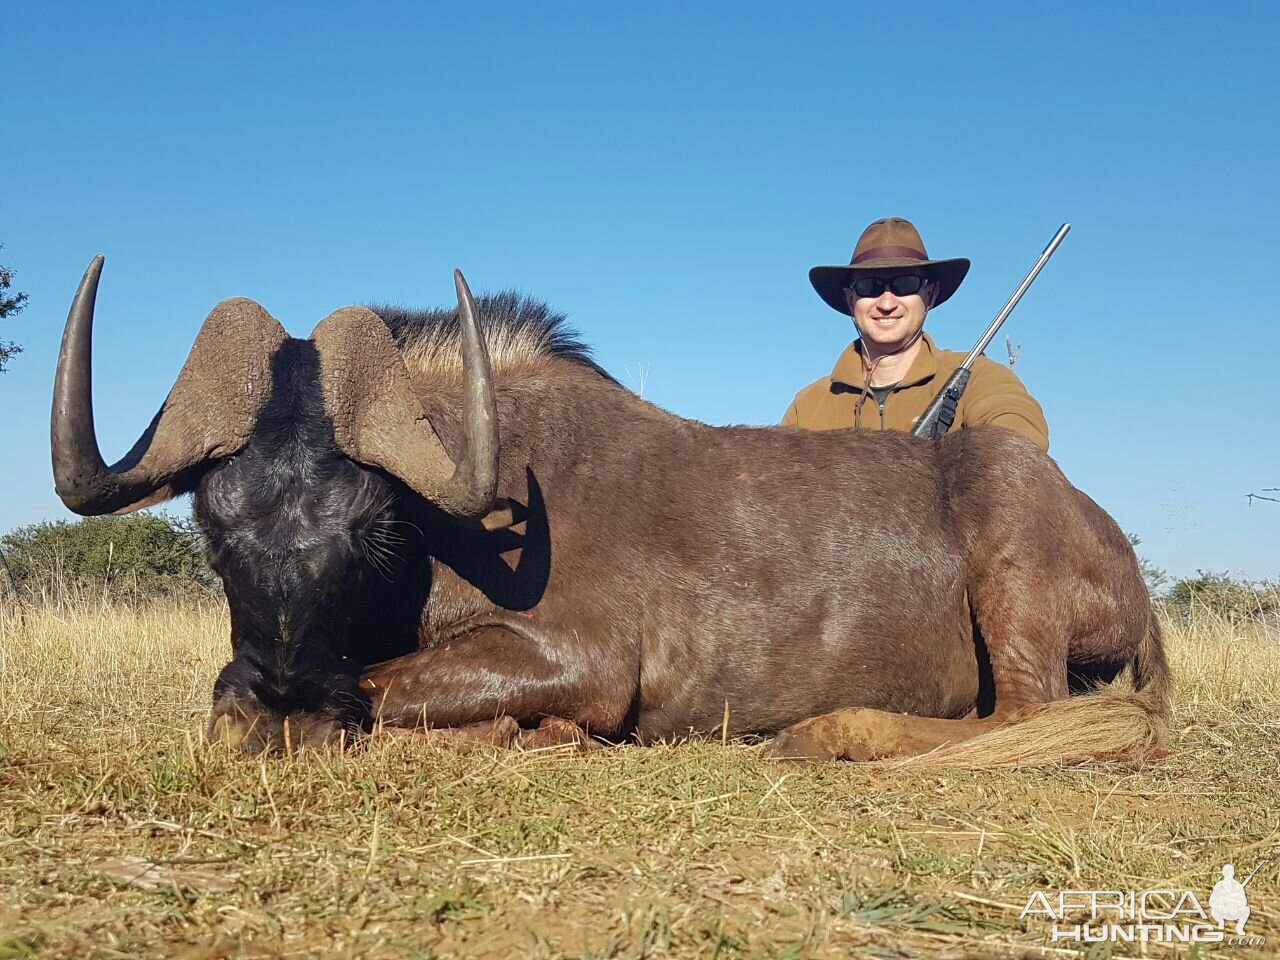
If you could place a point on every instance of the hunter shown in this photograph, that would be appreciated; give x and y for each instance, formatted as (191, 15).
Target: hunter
(886, 378)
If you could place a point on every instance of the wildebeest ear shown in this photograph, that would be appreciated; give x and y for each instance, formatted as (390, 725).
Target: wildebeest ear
(377, 419)
(210, 412)
(214, 404)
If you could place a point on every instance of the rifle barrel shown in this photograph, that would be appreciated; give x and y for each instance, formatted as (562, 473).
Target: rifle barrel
(1007, 309)
(1255, 871)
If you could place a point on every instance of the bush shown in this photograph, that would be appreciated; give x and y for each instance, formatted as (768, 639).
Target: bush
(132, 557)
(1225, 596)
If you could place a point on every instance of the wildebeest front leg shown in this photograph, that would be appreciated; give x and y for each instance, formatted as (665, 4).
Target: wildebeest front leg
(497, 670)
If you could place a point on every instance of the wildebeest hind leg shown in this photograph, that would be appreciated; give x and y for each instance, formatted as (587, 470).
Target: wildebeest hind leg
(858, 733)
(1026, 649)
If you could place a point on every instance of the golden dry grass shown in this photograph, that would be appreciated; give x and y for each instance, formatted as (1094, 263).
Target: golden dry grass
(125, 836)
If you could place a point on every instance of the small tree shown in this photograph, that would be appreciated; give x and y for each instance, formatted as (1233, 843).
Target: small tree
(10, 304)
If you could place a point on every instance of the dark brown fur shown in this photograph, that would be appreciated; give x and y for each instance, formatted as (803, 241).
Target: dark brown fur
(662, 568)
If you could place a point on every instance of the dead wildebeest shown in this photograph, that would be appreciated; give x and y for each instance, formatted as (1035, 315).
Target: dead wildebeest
(413, 527)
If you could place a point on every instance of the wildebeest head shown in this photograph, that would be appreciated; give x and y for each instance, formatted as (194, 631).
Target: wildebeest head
(295, 450)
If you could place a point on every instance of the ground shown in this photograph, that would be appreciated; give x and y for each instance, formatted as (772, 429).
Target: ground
(122, 834)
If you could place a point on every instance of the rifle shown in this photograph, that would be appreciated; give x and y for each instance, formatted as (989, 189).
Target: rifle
(941, 413)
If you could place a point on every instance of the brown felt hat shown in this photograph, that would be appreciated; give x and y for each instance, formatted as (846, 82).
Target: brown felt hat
(887, 246)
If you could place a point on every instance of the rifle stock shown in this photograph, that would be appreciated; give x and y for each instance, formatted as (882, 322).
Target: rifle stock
(937, 419)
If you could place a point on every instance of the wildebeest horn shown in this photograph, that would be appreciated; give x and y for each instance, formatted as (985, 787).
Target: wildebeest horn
(378, 418)
(210, 412)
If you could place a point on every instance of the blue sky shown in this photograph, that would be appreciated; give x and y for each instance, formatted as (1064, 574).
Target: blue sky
(667, 174)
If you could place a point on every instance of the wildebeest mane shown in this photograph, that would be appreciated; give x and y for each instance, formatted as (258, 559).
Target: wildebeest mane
(519, 330)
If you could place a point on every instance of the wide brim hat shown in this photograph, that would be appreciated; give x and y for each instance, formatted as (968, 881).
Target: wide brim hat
(887, 246)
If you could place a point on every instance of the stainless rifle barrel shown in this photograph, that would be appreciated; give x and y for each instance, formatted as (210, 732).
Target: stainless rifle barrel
(1017, 295)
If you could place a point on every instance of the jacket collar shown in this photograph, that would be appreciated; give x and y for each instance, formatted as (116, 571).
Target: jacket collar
(849, 373)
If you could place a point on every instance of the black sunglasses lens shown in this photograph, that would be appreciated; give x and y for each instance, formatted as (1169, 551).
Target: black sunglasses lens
(901, 286)
(905, 285)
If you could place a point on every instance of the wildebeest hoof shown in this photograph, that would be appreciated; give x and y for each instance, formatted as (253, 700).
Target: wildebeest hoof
(799, 742)
(555, 732)
(853, 734)
(250, 729)
(860, 734)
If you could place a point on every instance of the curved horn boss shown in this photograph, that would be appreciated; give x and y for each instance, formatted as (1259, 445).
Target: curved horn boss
(378, 419)
(209, 413)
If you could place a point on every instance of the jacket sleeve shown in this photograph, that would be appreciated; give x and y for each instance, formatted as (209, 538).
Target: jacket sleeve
(996, 396)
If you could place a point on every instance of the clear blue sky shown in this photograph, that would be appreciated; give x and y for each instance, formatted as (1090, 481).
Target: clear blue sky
(667, 174)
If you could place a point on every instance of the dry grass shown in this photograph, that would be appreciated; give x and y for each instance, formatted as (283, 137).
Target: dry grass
(124, 836)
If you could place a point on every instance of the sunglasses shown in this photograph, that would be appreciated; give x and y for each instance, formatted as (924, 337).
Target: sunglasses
(901, 286)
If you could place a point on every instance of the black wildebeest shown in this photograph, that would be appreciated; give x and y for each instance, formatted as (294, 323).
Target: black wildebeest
(410, 530)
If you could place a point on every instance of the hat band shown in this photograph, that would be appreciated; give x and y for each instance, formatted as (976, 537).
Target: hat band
(884, 253)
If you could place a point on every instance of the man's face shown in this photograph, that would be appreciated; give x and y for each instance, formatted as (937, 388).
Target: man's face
(890, 320)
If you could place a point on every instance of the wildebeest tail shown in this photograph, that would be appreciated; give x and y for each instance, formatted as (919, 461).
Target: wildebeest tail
(1112, 724)
(1152, 678)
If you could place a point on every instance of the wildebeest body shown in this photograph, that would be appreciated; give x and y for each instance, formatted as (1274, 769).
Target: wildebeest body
(786, 572)
(388, 554)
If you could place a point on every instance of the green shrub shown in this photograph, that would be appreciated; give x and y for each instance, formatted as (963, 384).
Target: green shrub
(1225, 596)
(136, 556)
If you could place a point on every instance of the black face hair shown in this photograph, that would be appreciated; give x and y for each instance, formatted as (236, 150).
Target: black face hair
(314, 556)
